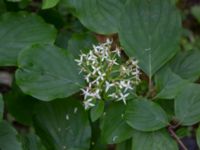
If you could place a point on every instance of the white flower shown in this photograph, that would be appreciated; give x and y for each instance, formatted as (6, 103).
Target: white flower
(113, 62)
(86, 92)
(88, 103)
(96, 94)
(123, 97)
(128, 86)
(95, 70)
(109, 85)
(87, 77)
(113, 95)
(117, 51)
(101, 76)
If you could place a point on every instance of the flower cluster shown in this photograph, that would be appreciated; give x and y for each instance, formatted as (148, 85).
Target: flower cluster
(106, 75)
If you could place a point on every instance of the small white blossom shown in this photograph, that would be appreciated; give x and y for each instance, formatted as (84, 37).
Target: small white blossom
(108, 86)
(117, 51)
(88, 103)
(123, 97)
(86, 93)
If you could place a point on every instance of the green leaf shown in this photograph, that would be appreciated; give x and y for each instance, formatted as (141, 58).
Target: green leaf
(1, 107)
(113, 126)
(159, 140)
(186, 64)
(19, 105)
(150, 31)
(187, 105)
(100, 16)
(48, 72)
(196, 12)
(145, 115)
(31, 142)
(125, 145)
(97, 111)
(46, 4)
(168, 84)
(81, 42)
(63, 124)
(19, 31)
(198, 136)
(2, 7)
(8, 139)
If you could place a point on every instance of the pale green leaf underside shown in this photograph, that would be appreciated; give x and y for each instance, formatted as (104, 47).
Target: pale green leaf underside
(187, 105)
(145, 115)
(159, 140)
(63, 125)
(19, 31)
(48, 72)
(150, 31)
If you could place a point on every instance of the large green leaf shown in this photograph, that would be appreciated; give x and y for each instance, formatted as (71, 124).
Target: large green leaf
(100, 16)
(1, 107)
(8, 137)
(113, 126)
(145, 115)
(63, 124)
(186, 64)
(168, 84)
(125, 145)
(19, 31)
(49, 3)
(19, 105)
(150, 31)
(159, 140)
(187, 105)
(48, 72)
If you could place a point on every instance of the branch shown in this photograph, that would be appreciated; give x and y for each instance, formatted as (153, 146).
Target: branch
(173, 134)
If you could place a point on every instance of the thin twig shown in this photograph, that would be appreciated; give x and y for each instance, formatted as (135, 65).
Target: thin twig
(173, 134)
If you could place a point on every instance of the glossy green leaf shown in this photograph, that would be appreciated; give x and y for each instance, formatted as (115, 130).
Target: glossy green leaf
(46, 4)
(63, 124)
(8, 137)
(19, 31)
(198, 136)
(100, 16)
(159, 140)
(113, 126)
(145, 115)
(187, 105)
(168, 84)
(48, 72)
(186, 64)
(19, 105)
(97, 111)
(150, 31)
(1, 107)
